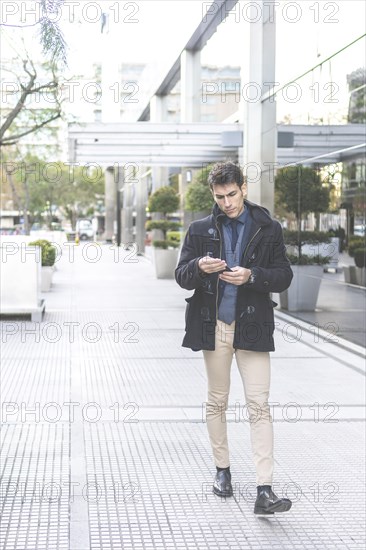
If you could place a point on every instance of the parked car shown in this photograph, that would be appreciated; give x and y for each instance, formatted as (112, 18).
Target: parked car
(10, 230)
(85, 230)
(359, 230)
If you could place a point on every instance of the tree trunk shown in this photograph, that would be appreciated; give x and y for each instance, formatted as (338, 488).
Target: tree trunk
(26, 208)
(299, 235)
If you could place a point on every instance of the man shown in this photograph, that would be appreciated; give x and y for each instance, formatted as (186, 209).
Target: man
(233, 259)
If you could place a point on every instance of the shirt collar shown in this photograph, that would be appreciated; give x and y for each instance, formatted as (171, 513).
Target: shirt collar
(241, 219)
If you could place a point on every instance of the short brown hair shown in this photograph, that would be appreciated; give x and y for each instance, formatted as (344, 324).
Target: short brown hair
(223, 173)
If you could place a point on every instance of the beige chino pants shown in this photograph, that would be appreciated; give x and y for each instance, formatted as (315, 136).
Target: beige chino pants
(255, 372)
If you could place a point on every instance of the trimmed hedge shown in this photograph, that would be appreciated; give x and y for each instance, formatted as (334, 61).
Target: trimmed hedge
(48, 251)
(360, 257)
(168, 243)
(308, 260)
(164, 225)
(354, 243)
(309, 237)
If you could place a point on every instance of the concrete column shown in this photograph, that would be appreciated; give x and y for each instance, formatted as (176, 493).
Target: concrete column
(137, 195)
(260, 131)
(129, 185)
(190, 81)
(186, 215)
(158, 108)
(110, 76)
(141, 202)
(110, 113)
(159, 113)
(110, 204)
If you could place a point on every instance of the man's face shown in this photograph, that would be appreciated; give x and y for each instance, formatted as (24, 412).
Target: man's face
(229, 198)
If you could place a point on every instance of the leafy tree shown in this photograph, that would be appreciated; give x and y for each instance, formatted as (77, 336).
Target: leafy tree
(357, 100)
(82, 190)
(164, 200)
(359, 201)
(300, 190)
(198, 196)
(39, 188)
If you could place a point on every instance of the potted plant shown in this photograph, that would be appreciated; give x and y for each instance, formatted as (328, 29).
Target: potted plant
(164, 201)
(48, 257)
(308, 269)
(301, 190)
(356, 274)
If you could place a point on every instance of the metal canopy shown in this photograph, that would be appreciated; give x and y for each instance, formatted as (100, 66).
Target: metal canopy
(195, 144)
(151, 144)
(317, 144)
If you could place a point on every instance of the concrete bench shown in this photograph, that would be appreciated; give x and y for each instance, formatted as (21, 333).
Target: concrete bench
(20, 281)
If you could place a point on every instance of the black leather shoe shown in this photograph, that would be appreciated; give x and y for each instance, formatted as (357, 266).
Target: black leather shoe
(222, 484)
(268, 503)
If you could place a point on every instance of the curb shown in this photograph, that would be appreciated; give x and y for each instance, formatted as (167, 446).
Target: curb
(304, 325)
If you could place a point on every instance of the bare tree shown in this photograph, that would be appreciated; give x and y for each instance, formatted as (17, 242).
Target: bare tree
(10, 131)
(19, 120)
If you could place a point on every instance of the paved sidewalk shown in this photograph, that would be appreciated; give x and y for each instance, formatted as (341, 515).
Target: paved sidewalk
(103, 439)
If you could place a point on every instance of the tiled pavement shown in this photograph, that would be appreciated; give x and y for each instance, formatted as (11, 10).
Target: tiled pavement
(104, 444)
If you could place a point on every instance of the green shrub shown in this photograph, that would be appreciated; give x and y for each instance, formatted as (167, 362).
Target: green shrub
(360, 257)
(309, 237)
(164, 201)
(308, 260)
(291, 238)
(168, 243)
(174, 236)
(164, 225)
(198, 195)
(48, 251)
(354, 243)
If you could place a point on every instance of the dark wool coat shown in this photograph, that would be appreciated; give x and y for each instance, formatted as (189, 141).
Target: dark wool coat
(265, 255)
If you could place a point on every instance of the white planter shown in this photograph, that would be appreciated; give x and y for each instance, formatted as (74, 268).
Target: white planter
(20, 283)
(361, 276)
(355, 275)
(302, 295)
(165, 261)
(46, 277)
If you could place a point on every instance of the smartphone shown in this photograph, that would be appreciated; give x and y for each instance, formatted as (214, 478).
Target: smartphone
(227, 268)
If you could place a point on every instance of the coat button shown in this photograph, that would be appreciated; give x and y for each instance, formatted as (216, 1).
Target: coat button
(249, 310)
(266, 283)
(190, 274)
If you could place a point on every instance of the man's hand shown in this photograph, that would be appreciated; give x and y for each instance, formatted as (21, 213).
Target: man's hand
(238, 275)
(211, 265)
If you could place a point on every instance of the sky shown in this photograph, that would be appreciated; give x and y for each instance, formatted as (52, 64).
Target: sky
(155, 31)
